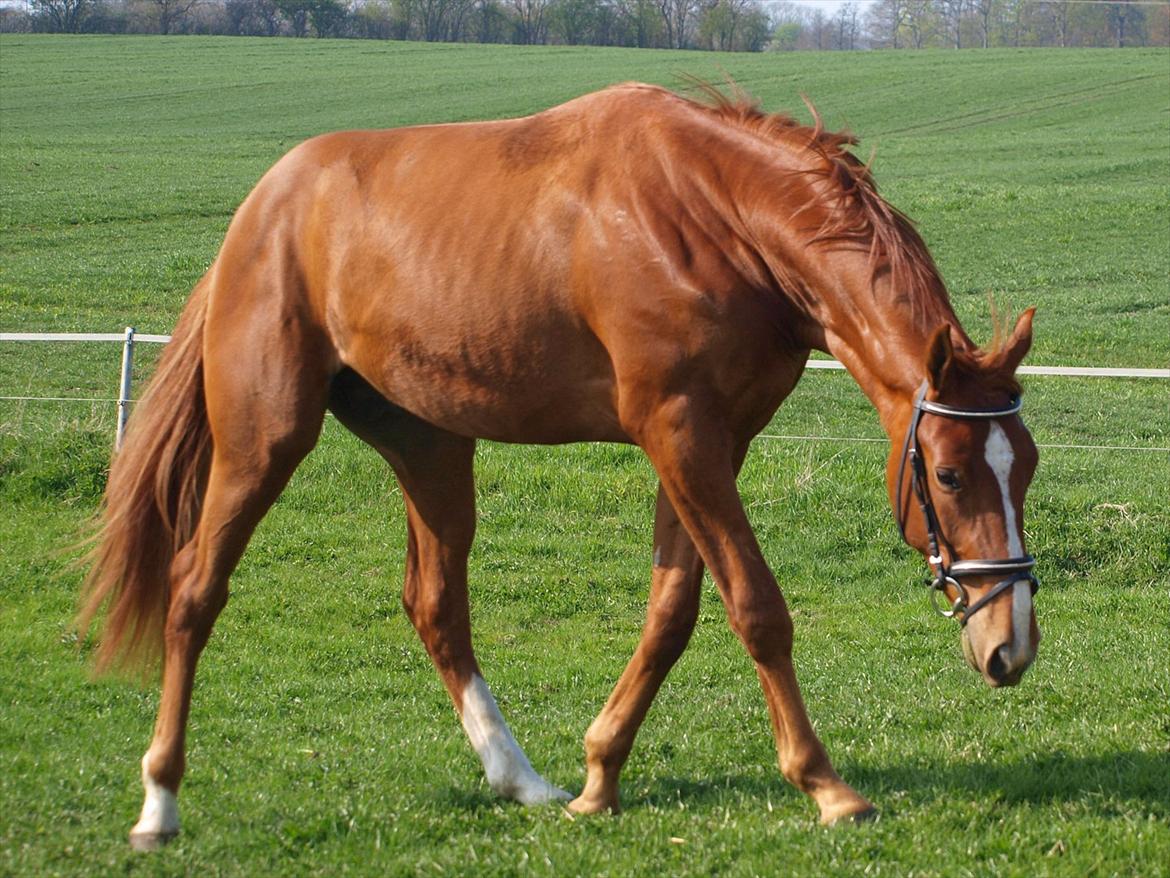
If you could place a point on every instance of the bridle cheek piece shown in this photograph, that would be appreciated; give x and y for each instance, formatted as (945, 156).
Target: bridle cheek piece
(1016, 569)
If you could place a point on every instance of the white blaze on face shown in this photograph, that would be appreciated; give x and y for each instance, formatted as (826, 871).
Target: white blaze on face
(509, 773)
(1000, 458)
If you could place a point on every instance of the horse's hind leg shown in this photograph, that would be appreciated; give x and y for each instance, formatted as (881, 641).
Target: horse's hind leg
(670, 618)
(262, 429)
(434, 469)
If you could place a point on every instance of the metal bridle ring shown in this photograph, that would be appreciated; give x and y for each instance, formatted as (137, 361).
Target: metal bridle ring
(958, 605)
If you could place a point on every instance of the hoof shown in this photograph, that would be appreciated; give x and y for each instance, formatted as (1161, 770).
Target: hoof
(561, 796)
(582, 805)
(541, 793)
(525, 786)
(151, 841)
(869, 815)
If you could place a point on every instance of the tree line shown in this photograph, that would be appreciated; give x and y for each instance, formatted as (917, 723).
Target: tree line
(722, 25)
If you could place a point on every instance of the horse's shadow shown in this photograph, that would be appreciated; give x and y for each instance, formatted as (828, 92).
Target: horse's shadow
(1050, 777)
(1043, 778)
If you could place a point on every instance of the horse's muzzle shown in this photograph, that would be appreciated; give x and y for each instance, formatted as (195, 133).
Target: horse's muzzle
(998, 670)
(1003, 665)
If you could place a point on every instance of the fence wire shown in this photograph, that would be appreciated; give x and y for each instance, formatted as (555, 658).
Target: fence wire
(834, 365)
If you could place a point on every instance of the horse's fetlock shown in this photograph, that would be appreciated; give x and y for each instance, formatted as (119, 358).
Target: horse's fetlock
(603, 748)
(808, 771)
(166, 772)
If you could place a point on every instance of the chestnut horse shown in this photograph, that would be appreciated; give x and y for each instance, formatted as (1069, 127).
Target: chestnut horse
(633, 266)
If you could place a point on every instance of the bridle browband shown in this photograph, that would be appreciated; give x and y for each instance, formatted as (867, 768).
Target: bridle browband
(945, 575)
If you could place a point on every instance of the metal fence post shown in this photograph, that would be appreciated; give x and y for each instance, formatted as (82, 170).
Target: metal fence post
(124, 390)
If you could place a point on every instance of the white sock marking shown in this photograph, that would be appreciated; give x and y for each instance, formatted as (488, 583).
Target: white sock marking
(509, 773)
(1000, 457)
(160, 809)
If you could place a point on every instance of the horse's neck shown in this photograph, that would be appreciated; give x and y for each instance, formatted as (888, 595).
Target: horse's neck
(882, 337)
(877, 325)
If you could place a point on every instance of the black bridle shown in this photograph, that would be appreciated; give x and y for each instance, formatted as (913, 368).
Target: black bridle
(945, 574)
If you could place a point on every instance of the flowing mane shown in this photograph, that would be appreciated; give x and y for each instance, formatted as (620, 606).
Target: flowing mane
(856, 215)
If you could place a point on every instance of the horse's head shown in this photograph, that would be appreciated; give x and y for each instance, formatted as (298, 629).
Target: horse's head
(957, 485)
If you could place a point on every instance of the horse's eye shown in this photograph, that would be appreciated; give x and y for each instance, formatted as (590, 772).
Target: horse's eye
(948, 478)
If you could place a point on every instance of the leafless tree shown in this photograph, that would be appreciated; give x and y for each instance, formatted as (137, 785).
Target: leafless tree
(720, 22)
(819, 27)
(436, 18)
(885, 22)
(1012, 18)
(1058, 13)
(252, 17)
(531, 20)
(845, 24)
(488, 21)
(678, 17)
(952, 13)
(172, 12)
(641, 20)
(1124, 18)
(920, 21)
(65, 16)
(982, 10)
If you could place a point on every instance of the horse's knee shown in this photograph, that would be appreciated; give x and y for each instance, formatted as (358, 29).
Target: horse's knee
(439, 614)
(410, 596)
(666, 640)
(762, 623)
(671, 618)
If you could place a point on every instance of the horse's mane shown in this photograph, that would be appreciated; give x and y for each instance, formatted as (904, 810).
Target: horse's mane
(983, 368)
(986, 365)
(855, 214)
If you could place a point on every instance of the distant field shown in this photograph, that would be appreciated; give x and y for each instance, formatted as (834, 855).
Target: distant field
(321, 740)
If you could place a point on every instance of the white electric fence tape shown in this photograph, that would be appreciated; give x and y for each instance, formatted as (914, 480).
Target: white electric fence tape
(1068, 371)
(129, 337)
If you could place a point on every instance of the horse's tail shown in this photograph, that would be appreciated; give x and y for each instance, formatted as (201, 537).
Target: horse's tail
(152, 503)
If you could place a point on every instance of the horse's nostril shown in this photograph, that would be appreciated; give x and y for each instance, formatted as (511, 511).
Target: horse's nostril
(997, 667)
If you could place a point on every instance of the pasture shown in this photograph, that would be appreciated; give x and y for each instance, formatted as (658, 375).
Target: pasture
(321, 741)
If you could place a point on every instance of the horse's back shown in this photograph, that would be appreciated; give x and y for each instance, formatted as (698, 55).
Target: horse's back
(492, 277)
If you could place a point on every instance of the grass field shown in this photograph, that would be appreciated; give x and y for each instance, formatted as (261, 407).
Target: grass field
(321, 741)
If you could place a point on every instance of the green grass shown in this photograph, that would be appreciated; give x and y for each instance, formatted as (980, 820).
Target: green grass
(321, 740)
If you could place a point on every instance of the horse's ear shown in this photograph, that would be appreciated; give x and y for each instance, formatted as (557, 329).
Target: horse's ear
(1012, 353)
(939, 356)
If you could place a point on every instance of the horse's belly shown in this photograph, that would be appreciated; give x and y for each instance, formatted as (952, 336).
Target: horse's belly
(535, 387)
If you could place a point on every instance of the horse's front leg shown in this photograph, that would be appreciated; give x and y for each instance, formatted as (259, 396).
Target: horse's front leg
(670, 619)
(695, 459)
